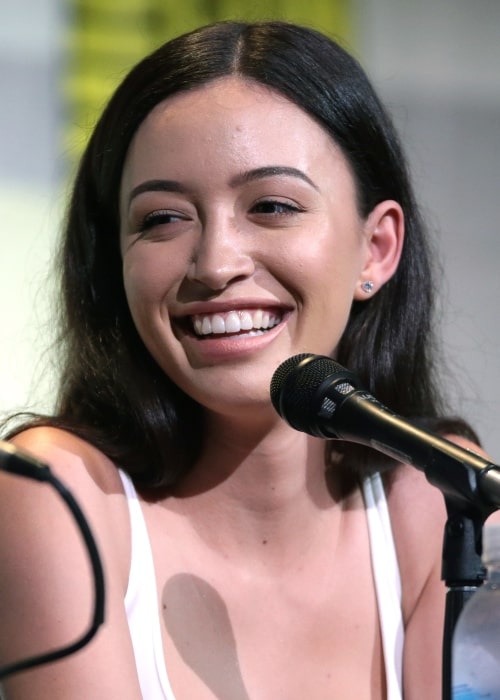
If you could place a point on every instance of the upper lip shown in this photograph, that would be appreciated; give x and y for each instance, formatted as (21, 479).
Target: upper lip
(214, 307)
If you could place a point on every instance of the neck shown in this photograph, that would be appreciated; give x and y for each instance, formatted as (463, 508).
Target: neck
(265, 486)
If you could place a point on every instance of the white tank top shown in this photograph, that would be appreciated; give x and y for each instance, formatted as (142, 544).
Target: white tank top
(141, 600)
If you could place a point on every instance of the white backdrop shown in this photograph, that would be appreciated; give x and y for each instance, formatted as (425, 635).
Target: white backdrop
(436, 63)
(30, 168)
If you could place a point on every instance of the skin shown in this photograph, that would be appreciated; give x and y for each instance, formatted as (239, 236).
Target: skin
(263, 572)
(291, 243)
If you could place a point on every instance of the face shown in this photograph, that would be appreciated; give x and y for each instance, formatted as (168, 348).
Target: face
(240, 237)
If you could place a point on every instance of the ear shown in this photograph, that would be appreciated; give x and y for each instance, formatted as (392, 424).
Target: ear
(384, 234)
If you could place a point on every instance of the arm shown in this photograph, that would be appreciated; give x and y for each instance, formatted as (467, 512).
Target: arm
(418, 515)
(46, 588)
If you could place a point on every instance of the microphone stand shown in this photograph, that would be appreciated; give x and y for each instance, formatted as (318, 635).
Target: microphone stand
(462, 572)
(469, 502)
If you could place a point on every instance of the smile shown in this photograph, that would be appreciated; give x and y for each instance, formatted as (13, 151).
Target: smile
(251, 322)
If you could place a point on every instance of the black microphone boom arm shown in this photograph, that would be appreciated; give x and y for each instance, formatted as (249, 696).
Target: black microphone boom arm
(318, 396)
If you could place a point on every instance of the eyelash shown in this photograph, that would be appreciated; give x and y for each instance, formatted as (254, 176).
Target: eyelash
(158, 218)
(266, 207)
(287, 209)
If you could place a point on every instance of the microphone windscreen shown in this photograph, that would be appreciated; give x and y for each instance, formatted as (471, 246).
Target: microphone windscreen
(295, 383)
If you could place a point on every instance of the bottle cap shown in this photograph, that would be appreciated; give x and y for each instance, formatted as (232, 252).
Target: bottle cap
(491, 543)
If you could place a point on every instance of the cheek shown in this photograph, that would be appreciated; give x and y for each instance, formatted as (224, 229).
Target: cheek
(325, 268)
(139, 292)
(146, 290)
(147, 283)
(147, 274)
(324, 280)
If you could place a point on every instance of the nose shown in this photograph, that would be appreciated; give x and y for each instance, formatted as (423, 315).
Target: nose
(222, 255)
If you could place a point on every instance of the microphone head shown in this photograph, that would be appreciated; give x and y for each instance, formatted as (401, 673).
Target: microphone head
(296, 384)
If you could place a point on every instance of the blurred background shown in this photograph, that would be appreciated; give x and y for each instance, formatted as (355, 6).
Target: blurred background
(436, 64)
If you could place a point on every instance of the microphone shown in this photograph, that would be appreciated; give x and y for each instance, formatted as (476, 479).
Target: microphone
(317, 396)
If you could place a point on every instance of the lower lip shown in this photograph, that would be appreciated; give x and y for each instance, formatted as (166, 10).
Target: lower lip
(230, 347)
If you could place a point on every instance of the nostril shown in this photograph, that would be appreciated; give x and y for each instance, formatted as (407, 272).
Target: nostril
(219, 262)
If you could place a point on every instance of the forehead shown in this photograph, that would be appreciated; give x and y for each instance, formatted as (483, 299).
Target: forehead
(227, 127)
(228, 109)
(226, 97)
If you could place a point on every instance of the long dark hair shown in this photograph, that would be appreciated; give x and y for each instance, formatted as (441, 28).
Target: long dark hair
(112, 392)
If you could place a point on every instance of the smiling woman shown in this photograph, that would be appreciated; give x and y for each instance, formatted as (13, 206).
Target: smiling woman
(243, 199)
(238, 232)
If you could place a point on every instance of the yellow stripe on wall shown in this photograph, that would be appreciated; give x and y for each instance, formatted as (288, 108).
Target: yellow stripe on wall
(106, 38)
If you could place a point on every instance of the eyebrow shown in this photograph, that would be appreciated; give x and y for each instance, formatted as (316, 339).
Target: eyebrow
(156, 186)
(271, 171)
(240, 179)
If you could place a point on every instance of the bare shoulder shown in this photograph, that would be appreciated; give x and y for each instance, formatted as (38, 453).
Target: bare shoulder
(90, 476)
(418, 515)
(45, 568)
(68, 455)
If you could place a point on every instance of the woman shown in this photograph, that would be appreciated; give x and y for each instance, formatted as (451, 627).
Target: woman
(243, 199)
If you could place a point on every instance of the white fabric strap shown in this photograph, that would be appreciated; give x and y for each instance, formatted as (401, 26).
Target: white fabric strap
(141, 604)
(387, 583)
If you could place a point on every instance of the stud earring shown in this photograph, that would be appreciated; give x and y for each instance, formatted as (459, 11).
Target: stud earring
(367, 286)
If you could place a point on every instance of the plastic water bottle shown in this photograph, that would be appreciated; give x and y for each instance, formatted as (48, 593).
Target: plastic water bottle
(476, 640)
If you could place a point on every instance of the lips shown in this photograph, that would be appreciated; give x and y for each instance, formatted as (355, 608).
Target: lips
(235, 322)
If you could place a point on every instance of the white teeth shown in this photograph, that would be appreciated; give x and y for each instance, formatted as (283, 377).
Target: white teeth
(246, 321)
(234, 322)
(206, 327)
(218, 325)
(257, 319)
